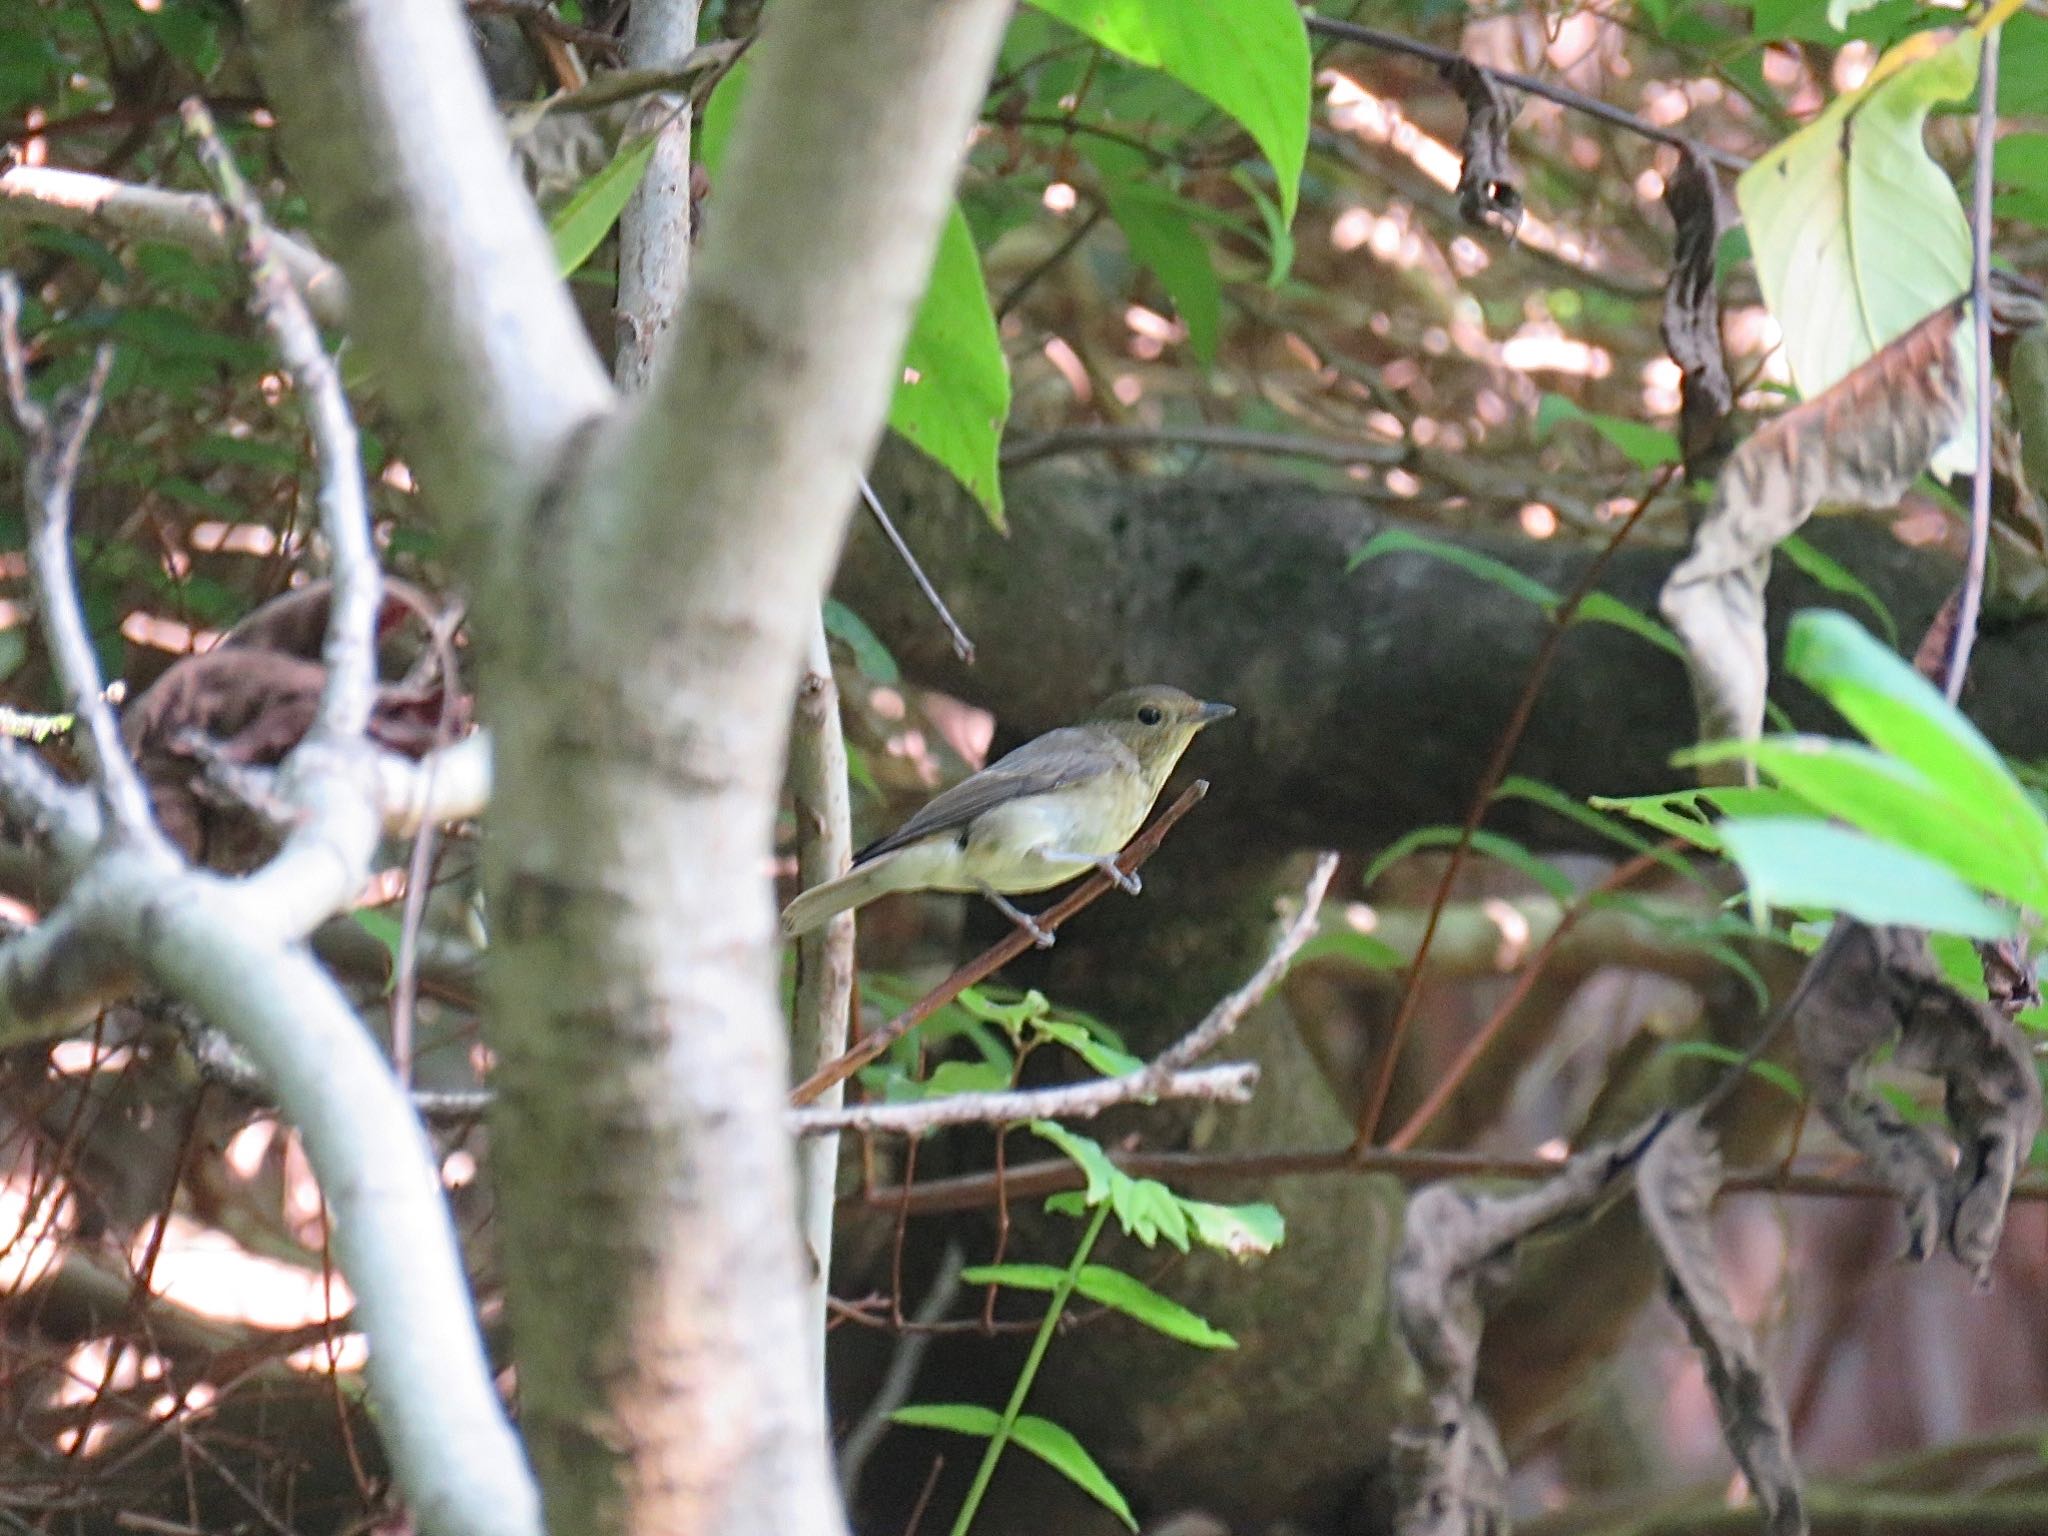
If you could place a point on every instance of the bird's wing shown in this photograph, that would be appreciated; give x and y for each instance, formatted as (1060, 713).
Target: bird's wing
(1066, 756)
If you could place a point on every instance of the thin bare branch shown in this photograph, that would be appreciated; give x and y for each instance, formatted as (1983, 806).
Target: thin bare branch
(962, 646)
(1230, 1083)
(1224, 1018)
(41, 194)
(55, 441)
(1971, 602)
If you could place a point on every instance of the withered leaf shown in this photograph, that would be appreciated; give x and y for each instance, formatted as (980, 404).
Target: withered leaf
(1861, 444)
(1457, 1255)
(1675, 1189)
(250, 700)
(1885, 987)
(1489, 193)
(1692, 316)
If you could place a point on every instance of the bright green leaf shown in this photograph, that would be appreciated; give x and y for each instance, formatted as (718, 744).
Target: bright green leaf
(1249, 57)
(1063, 1453)
(1243, 1231)
(1645, 446)
(1803, 864)
(580, 225)
(1826, 571)
(1163, 240)
(1113, 1288)
(1728, 1056)
(961, 1418)
(1088, 1155)
(1605, 608)
(869, 654)
(1390, 541)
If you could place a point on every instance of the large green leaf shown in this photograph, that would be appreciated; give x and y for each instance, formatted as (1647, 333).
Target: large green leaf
(1809, 864)
(1249, 57)
(1902, 713)
(1857, 233)
(1110, 1288)
(953, 394)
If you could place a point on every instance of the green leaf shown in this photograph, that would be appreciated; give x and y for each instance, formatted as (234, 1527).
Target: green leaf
(1605, 608)
(954, 394)
(1110, 1288)
(1857, 233)
(1132, 1297)
(876, 664)
(1102, 1058)
(961, 1418)
(1279, 234)
(1645, 446)
(1893, 801)
(1063, 1453)
(1165, 241)
(1784, 1081)
(580, 225)
(1243, 1231)
(1826, 571)
(1803, 865)
(386, 929)
(1148, 1210)
(1390, 541)
(1249, 57)
(1518, 787)
(1087, 1155)
(1491, 844)
(1902, 713)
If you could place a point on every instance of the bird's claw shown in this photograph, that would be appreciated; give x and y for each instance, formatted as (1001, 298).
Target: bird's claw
(1040, 934)
(1128, 882)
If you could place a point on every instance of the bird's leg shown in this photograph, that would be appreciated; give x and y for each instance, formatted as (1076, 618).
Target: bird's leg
(1040, 935)
(1126, 880)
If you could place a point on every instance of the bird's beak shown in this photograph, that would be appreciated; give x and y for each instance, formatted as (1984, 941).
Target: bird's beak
(1209, 714)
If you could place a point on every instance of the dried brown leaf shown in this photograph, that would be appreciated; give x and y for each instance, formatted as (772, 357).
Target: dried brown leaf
(1457, 1255)
(1692, 316)
(1885, 988)
(1489, 193)
(1861, 444)
(1675, 1188)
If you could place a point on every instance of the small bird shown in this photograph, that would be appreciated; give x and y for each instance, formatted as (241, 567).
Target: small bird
(1060, 805)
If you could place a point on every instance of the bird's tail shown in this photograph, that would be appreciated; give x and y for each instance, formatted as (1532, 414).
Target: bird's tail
(815, 907)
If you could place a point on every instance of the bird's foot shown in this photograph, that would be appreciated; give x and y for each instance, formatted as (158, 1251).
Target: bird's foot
(1126, 880)
(1041, 935)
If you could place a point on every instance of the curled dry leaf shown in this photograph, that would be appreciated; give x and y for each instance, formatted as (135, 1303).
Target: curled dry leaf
(1675, 1188)
(1885, 987)
(1692, 316)
(1861, 444)
(1489, 193)
(248, 702)
(1457, 1255)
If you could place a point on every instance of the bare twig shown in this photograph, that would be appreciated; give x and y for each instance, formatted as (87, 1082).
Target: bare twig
(1564, 96)
(901, 1375)
(541, 16)
(824, 957)
(1971, 602)
(55, 442)
(962, 646)
(1231, 1083)
(1091, 439)
(1226, 1015)
(996, 956)
(1496, 770)
(1183, 1170)
(41, 194)
(350, 653)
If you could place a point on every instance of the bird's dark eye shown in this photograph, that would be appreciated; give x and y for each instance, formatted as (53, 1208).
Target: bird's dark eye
(1150, 714)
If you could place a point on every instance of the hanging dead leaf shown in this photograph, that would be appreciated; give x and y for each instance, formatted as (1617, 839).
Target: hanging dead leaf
(1861, 444)
(1692, 316)
(1489, 193)
(1457, 1256)
(1885, 988)
(1675, 1188)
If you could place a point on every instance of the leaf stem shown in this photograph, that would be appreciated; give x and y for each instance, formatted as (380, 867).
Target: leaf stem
(1055, 1306)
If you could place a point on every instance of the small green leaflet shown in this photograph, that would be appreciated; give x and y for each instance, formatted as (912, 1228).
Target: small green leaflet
(1830, 573)
(1114, 1289)
(1403, 541)
(1044, 1439)
(1769, 1071)
(1249, 57)
(1646, 447)
(580, 225)
(1164, 240)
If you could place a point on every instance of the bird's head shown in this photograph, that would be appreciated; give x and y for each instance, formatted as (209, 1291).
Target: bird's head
(1156, 722)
